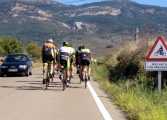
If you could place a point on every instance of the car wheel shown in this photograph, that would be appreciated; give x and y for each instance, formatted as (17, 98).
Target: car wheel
(27, 73)
(1, 75)
(30, 73)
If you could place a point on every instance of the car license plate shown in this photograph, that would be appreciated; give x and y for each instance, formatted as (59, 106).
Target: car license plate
(12, 70)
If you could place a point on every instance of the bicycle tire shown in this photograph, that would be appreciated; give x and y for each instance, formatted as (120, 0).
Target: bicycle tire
(63, 78)
(80, 77)
(85, 81)
(47, 83)
(48, 77)
(52, 76)
(64, 85)
(79, 74)
(85, 76)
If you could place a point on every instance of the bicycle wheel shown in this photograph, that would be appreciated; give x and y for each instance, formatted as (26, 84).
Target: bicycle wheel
(64, 85)
(52, 76)
(79, 74)
(48, 77)
(70, 76)
(47, 83)
(64, 80)
(85, 76)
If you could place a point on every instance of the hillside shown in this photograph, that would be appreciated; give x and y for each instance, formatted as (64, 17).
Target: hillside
(107, 23)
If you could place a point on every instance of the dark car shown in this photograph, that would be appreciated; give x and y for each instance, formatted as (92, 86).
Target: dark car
(14, 64)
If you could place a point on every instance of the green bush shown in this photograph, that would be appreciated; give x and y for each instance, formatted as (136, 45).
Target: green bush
(10, 45)
(34, 50)
(100, 73)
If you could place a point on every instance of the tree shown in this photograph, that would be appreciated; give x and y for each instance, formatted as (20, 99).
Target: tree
(10, 45)
(2, 51)
(34, 50)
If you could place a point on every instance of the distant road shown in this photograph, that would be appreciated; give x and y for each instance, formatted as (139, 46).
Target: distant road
(24, 98)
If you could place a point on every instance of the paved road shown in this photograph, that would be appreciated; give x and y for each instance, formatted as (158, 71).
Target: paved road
(24, 98)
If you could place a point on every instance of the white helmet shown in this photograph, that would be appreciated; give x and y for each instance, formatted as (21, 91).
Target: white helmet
(50, 40)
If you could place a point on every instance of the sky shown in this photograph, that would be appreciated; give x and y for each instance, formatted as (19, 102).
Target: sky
(162, 3)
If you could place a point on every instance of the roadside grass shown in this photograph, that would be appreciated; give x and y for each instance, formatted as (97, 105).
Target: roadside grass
(36, 63)
(139, 102)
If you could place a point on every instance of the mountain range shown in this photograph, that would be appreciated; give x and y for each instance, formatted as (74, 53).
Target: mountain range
(105, 23)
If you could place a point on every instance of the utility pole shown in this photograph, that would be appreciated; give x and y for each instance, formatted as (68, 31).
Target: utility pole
(136, 34)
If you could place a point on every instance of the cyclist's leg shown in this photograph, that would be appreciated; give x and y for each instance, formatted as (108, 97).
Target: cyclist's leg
(82, 70)
(55, 67)
(82, 65)
(51, 68)
(72, 68)
(45, 66)
(77, 65)
(68, 71)
(89, 69)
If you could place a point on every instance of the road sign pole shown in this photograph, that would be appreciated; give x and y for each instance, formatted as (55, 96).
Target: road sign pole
(159, 80)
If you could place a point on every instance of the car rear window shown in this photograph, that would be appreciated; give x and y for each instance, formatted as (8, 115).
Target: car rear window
(15, 58)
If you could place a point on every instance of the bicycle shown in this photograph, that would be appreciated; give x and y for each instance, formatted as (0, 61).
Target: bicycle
(48, 76)
(80, 75)
(62, 76)
(70, 76)
(84, 76)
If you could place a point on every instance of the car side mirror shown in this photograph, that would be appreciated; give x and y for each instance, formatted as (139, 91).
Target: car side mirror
(2, 60)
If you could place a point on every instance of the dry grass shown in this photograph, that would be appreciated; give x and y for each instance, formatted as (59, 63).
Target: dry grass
(37, 63)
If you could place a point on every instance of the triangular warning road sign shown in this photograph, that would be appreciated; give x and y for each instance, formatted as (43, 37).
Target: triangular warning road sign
(158, 51)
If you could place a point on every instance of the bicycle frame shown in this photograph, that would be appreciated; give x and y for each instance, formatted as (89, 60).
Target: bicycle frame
(85, 75)
(48, 75)
(62, 76)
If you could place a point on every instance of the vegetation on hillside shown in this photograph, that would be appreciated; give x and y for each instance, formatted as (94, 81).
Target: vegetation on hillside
(37, 21)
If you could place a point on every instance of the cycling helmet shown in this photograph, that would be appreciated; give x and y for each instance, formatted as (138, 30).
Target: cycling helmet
(80, 47)
(65, 43)
(70, 45)
(83, 47)
(50, 40)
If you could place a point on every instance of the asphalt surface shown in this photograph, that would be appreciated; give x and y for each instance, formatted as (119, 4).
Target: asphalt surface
(24, 98)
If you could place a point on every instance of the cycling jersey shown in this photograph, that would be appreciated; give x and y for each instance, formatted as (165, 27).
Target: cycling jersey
(64, 56)
(48, 52)
(72, 54)
(85, 56)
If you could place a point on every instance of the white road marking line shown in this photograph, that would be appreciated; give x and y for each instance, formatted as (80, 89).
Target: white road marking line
(100, 105)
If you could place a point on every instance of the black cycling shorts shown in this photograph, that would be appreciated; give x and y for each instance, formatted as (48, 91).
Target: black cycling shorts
(71, 60)
(85, 62)
(47, 58)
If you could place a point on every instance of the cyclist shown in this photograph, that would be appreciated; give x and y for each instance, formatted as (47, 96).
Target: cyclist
(64, 58)
(77, 58)
(48, 56)
(85, 58)
(72, 59)
(55, 62)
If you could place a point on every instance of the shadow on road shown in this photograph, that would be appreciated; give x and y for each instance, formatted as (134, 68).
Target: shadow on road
(29, 81)
(23, 87)
(35, 85)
